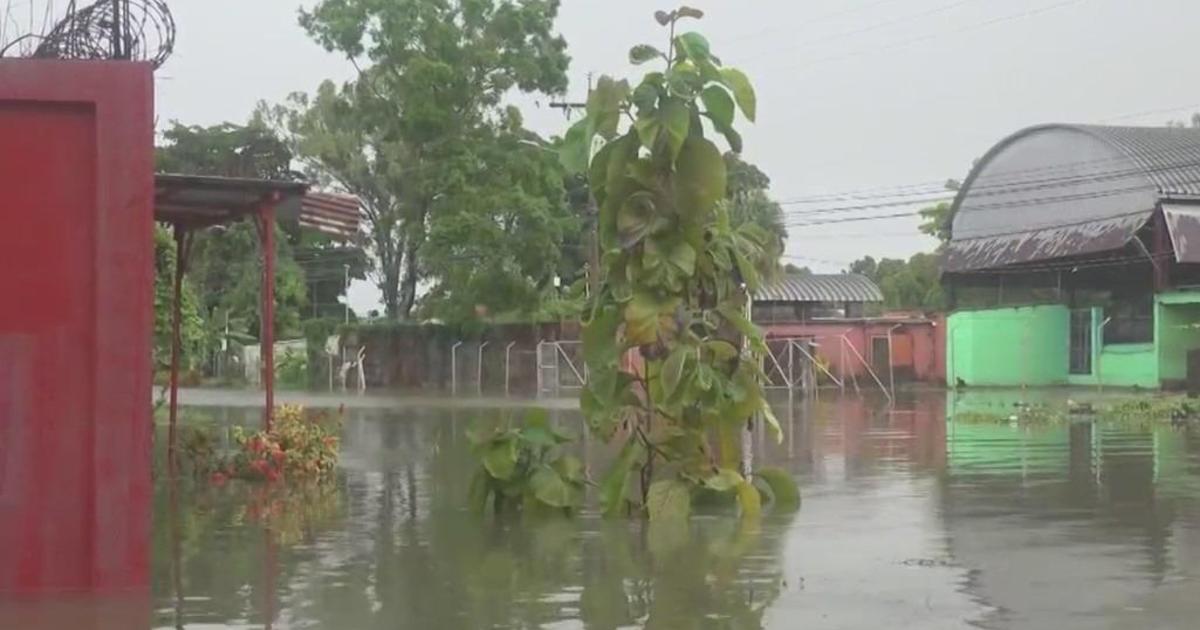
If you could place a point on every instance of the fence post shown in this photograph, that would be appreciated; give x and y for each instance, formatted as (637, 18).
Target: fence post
(507, 362)
(479, 369)
(454, 368)
(537, 363)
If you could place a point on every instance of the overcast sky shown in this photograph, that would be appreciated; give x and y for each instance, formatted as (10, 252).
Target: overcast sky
(854, 95)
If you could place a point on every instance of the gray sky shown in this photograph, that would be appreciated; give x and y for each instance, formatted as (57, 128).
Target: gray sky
(854, 95)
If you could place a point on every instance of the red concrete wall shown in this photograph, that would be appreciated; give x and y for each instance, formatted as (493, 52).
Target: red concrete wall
(918, 348)
(76, 276)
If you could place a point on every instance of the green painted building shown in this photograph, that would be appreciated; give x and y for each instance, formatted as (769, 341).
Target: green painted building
(1074, 259)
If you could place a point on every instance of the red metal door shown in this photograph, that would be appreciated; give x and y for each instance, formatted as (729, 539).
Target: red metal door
(76, 275)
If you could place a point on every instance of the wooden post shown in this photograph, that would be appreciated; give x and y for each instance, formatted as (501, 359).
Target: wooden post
(266, 235)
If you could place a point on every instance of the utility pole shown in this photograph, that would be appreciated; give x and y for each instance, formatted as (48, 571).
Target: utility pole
(593, 213)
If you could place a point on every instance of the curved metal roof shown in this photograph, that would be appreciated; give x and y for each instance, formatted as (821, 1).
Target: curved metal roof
(840, 287)
(1058, 190)
(1168, 156)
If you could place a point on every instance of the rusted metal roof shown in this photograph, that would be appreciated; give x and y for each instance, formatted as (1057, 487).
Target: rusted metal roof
(841, 287)
(198, 201)
(1183, 224)
(334, 214)
(1054, 191)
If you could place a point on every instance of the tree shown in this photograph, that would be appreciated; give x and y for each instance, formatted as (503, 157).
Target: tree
(749, 203)
(674, 280)
(912, 284)
(224, 268)
(424, 118)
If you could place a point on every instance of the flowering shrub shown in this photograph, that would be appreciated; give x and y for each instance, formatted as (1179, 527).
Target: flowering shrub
(299, 446)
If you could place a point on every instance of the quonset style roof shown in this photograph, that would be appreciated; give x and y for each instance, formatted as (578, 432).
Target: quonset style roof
(1060, 190)
(841, 287)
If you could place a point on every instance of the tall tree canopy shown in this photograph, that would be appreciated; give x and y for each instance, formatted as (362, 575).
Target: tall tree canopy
(911, 284)
(446, 173)
(750, 203)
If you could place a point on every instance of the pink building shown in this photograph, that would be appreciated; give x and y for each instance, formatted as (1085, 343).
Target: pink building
(827, 315)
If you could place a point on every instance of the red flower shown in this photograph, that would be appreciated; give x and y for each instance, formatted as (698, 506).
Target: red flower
(272, 476)
(278, 455)
(218, 478)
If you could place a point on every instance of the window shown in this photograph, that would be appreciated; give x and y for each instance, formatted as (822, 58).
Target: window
(1130, 318)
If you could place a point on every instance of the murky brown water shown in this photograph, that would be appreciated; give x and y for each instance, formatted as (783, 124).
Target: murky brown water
(908, 521)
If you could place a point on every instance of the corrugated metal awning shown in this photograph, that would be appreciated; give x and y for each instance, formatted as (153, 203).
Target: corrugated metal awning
(841, 287)
(1022, 246)
(1183, 223)
(334, 214)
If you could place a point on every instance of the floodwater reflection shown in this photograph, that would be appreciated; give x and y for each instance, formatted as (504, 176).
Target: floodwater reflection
(910, 519)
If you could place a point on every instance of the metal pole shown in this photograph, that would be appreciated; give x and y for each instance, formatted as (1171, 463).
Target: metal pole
(1100, 354)
(454, 368)
(346, 290)
(479, 369)
(748, 430)
(537, 363)
(507, 362)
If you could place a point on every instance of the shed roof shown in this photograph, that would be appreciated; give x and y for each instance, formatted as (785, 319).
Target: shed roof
(197, 201)
(1059, 190)
(840, 287)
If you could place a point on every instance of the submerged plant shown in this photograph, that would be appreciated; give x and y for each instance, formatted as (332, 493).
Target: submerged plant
(300, 446)
(526, 468)
(675, 281)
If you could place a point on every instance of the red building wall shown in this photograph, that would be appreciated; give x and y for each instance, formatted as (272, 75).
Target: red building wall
(76, 277)
(918, 346)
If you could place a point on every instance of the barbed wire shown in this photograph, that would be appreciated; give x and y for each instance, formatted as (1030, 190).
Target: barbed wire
(134, 30)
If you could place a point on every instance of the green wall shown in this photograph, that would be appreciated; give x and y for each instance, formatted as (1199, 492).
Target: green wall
(1023, 346)
(1176, 327)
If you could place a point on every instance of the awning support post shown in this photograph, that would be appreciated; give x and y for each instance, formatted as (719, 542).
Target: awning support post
(266, 236)
(183, 241)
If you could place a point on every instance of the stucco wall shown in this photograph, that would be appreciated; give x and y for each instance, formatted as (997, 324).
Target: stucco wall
(1021, 346)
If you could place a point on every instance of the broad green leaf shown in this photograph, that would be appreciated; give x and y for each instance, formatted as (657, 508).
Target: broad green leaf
(576, 146)
(569, 468)
(733, 138)
(686, 11)
(684, 79)
(683, 257)
(615, 483)
(479, 491)
(728, 441)
(673, 369)
(644, 52)
(743, 92)
(668, 499)
(636, 218)
(719, 105)
(647, 317)
(783, 487)
(772, 422)
(600, 347)
(663, 17)
(675, 119)
(645, 95)
(693, 46)
(700, 178)
(720, 349)
(549, 487)
(604, 105)
(500, 459)
(736, 315)
(749, 500)
(724, 480)
(597, 173)
(647, 130)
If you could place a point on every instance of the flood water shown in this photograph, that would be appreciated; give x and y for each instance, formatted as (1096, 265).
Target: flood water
(910, 519)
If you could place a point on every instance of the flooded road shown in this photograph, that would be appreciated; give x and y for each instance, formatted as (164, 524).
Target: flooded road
(909, 520)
